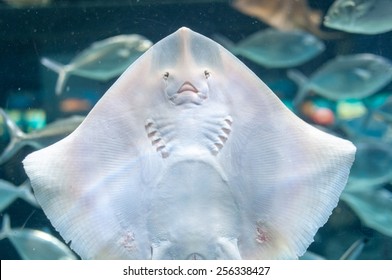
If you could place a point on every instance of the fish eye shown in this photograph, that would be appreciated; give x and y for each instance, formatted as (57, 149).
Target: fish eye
(166, 75)
(207, 74)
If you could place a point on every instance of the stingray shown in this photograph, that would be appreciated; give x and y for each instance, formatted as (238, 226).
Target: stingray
(189, 155)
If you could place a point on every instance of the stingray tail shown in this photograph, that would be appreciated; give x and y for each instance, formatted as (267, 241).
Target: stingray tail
(302, 81)
(226, 43)
(60, 69)
(17, 138)
(6, 227)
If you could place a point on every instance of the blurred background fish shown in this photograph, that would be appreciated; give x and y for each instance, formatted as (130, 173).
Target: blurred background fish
(372, 166)
(276, 49)
(9, 193)
(32, 244)
(37, 139)
(101, 61)
(355, 249)
(352, 76)
(374, 208)
(360, 16)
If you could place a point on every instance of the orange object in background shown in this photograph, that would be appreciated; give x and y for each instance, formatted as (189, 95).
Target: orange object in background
(318, 115)
(71, 105)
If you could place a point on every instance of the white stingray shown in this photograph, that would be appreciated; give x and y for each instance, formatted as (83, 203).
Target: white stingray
(190, 155)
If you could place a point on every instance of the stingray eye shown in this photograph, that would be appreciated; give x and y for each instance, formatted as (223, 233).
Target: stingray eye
(207, 74)
(166, 75)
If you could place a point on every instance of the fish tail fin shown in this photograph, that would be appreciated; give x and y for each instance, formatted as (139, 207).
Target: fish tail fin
(25, 193)
(301, 80)
(60, 69)
(17, 137)
(353, 252)
(226, 43)
(6, 227)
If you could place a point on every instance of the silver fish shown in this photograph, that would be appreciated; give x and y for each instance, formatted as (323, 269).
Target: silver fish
(372, 165)
(373, 207)
(276, 49)
(32, 244)
(352, 76)
(369, 126)
(102, 61)
(360, 16)
(38, 139)
(9, 193)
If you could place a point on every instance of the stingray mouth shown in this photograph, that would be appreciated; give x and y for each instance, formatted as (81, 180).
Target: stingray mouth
(188, 93)
(187, 86)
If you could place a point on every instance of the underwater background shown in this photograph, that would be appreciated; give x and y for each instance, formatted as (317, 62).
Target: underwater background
(59, 30)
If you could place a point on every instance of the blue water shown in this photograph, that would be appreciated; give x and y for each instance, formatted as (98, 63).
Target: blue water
(65, 28)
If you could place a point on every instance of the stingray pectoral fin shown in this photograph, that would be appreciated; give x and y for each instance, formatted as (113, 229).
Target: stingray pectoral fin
(286, 175)
(94, 206)
(292, 185)
(91, 184)
(226, 43)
